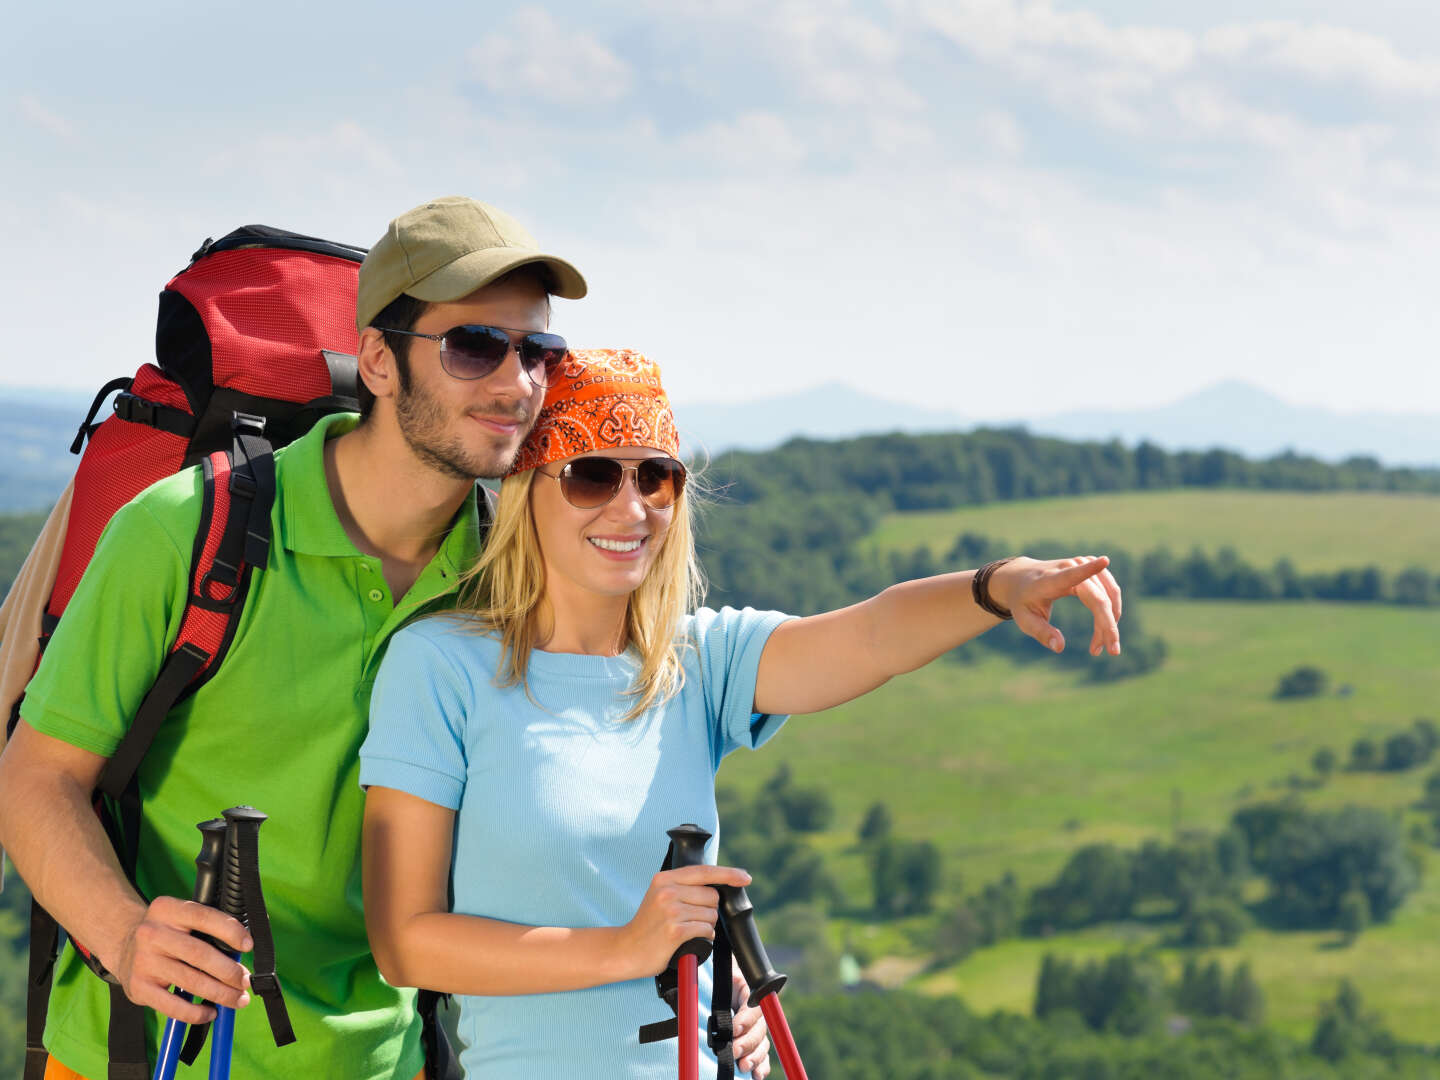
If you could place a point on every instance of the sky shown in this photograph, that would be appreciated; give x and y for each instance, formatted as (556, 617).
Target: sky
(1004, 208)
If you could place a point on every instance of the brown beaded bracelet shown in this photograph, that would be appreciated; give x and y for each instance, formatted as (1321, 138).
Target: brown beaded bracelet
(980, 588)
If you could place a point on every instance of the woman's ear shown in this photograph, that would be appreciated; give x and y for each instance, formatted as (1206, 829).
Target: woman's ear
(376, 364)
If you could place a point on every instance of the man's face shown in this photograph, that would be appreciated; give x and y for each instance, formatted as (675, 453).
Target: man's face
(469, 428)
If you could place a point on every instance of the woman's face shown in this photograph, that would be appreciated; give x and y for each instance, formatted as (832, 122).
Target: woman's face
(607, 550)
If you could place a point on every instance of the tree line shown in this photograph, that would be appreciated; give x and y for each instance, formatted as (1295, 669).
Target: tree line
(941, 471)
(907, 1036)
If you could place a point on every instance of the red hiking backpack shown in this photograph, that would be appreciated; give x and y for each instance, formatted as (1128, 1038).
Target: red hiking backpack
(256, 340)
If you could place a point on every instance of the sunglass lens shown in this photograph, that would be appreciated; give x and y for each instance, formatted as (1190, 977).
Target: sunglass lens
(590, 482)
(542, 355)
(474, 351)
(660, 481)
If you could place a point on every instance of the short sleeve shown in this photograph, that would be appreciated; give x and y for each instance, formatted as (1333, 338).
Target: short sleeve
(416, 741)
(729, 644)
(115, 633)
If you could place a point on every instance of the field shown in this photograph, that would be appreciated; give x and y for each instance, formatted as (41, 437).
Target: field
(1325, 531)
(1012, 768)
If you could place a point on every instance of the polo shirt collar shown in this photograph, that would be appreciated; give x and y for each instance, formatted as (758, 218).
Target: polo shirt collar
(308, 521)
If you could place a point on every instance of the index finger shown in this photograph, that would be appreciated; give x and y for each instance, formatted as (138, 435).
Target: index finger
(710, 875)
(214, 922)
(1074, 575)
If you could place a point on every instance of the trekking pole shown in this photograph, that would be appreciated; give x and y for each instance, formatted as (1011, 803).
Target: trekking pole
(242, 827)
(738, 916)
(688, 849)
(207, 885)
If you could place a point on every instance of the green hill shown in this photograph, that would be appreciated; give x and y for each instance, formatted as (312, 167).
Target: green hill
(1013, 768)
(1319, 531)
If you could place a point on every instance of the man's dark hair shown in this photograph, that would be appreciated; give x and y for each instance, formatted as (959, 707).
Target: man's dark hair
(404, 312)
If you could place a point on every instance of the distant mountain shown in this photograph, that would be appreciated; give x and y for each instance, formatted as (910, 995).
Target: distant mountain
(1233, 415)
(829, 411)
(1243, 418)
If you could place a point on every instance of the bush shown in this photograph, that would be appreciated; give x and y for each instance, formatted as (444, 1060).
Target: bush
(1213, 922)
(1404, 751)
(1364, 755)
(877, 824)
(905, 876)
(1302, 682)
(1317, 859)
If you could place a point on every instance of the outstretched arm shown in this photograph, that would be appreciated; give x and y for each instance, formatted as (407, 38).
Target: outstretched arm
(825, 660)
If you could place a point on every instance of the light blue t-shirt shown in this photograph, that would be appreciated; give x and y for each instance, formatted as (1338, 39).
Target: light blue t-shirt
(562, 808)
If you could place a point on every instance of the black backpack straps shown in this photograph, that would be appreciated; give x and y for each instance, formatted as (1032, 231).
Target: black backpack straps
(441, 1061)
(246, 539)
(88, 425)
(179, 670)
(128, 1060)
(140, 410)
(721, 1033)
(44, 945)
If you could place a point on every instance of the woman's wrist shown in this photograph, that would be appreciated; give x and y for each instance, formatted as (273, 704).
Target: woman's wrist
(988, 588)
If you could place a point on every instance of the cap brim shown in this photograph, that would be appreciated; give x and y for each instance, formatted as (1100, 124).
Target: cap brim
(479, 268)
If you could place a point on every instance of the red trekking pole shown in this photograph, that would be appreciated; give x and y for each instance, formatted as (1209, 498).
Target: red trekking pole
(687, 848)
(737, 920)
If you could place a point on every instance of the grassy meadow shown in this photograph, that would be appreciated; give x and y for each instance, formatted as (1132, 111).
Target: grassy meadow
(1013, 767)
(1321, 531)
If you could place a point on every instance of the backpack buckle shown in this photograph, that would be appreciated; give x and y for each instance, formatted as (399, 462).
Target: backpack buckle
(247, 424)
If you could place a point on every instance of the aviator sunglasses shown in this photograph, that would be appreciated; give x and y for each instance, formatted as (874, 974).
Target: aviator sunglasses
(475, 350)
(590, 482)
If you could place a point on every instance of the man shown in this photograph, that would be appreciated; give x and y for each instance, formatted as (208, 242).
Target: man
(374, 522)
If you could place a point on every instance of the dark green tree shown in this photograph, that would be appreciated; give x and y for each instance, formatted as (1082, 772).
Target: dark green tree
(877, 824)
(1095, 885)
(1244, 1000)
(1305, 681)
(1354, 916)
(1324, 761)
(1364, 755)
(1404, 750)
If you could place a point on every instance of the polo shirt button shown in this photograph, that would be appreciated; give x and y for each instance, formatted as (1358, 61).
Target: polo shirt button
(376, 595)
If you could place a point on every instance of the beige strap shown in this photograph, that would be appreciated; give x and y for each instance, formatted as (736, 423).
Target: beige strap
(20, 614)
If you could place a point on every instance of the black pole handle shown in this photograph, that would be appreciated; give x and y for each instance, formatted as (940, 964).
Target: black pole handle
(687, 848)
(239, 820)
(210, 862)
(738, 915)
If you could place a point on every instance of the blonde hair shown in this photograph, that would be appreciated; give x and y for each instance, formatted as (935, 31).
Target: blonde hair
(501, 595)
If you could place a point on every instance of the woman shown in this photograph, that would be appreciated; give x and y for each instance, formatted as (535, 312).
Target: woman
(531, 752)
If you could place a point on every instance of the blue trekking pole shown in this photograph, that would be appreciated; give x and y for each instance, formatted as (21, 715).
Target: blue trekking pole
(207, 887)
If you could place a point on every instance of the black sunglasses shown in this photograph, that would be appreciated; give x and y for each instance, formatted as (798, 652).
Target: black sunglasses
(475, 350)
(590, 482)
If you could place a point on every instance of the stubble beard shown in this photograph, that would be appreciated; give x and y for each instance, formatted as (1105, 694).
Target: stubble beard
(421, 418)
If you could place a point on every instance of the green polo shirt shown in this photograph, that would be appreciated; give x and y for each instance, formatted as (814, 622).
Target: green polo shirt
(279, 727)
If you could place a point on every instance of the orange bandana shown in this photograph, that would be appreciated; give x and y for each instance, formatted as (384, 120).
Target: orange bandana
(604, 399)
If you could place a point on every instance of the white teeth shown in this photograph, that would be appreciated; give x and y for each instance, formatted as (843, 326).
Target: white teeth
(615, 545)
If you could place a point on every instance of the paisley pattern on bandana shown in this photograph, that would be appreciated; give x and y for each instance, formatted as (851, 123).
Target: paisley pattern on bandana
(604, 399)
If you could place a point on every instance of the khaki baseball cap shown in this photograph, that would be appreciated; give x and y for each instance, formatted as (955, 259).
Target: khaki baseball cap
(447, 249)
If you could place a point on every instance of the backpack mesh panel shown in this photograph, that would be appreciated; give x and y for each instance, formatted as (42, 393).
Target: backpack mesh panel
(122, 460)
(266, 338)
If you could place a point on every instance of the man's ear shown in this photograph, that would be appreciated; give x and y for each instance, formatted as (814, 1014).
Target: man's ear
(376, 364)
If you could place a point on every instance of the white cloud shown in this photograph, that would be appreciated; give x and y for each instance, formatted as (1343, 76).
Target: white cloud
(535, 56)
(1002, 131)
(44, 118)
(1328, 53)
(1001, 29)
(754, 139)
